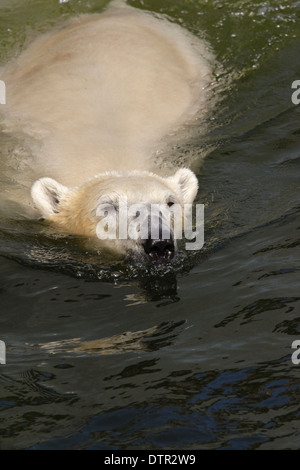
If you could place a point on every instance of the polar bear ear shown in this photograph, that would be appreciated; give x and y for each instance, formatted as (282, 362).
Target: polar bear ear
(46, 194)
(188, 184)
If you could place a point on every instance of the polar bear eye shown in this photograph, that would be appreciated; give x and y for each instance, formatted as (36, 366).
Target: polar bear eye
(170, 203)
(108, 208)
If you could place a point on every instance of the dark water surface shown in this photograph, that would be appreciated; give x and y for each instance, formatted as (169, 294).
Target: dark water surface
(196, 355)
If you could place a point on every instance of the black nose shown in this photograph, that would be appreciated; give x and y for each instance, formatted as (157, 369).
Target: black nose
(159, 249)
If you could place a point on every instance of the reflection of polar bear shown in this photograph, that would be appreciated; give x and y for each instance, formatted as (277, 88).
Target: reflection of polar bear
(97, 96)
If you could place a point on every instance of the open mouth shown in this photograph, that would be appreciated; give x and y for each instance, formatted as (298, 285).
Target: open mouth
(159, 250)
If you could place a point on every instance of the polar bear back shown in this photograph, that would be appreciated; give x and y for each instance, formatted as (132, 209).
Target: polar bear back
(102, 91)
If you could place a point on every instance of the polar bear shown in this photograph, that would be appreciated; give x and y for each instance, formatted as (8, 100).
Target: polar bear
(97, 98)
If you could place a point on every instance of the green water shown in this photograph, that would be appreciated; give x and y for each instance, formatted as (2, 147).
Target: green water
(196, 356)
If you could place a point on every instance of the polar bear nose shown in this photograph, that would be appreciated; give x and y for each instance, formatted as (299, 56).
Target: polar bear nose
(159, 249)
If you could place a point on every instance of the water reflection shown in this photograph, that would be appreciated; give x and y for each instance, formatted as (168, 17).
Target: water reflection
(37, 245)
(151, 339)
(150, 407)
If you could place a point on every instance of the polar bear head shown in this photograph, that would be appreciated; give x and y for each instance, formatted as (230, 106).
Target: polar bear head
(97, 207)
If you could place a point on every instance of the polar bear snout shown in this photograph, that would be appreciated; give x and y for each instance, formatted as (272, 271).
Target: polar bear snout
(159, 249)
(159, 245)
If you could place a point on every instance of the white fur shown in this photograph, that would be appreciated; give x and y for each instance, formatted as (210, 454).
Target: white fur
(97, 96)
(101, 92)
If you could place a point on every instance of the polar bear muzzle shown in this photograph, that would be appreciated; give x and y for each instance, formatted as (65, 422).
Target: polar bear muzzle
(159, 249)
